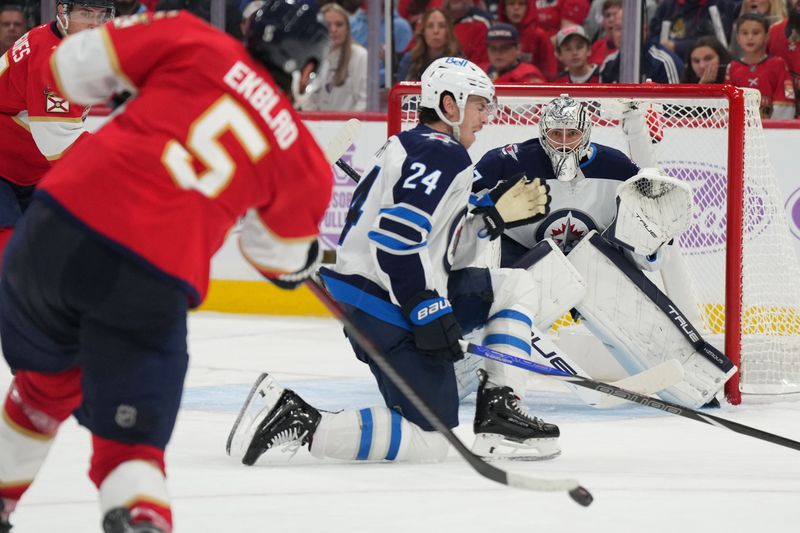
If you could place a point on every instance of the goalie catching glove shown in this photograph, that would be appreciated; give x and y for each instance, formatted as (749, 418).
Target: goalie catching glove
(652, 209)
(515, 202)
(434, 326)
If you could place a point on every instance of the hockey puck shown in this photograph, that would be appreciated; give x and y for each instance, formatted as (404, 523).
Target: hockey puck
(582, 496)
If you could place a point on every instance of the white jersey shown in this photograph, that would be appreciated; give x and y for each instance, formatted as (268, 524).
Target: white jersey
(587, 202)
(408, 225)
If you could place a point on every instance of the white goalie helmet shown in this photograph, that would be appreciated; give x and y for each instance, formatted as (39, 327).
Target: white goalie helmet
(560, 118)
(461, 78)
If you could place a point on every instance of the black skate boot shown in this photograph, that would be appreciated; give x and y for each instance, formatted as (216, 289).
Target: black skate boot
(5, 526)
(271, 416)
(118, 520)
(505, 430)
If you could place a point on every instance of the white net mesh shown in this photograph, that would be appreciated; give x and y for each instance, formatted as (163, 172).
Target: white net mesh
(688, 138)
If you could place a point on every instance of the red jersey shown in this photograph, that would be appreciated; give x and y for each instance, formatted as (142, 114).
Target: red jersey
(522, 73)
(601, 49)
(779, 45)
(471, 31)
(550, 13)
(535, 45)
(769, 76)
(36, 123)
(205, 137)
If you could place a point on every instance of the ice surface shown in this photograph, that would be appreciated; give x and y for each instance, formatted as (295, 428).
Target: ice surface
(649, 472)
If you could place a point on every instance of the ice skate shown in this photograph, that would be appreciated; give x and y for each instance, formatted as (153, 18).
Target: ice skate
(271, 416)
(504, 429)
(118, 520)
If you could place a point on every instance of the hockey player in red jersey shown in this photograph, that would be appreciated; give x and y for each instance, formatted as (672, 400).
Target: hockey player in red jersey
(116, 244)
(36, 123)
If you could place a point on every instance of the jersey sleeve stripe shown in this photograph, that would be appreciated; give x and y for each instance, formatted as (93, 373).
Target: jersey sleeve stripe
(111, 53)
(394, 245)
(406, 213)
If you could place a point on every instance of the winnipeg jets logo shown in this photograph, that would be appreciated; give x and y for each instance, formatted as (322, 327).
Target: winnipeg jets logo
(567, 236)
(436, 136)
(566, 228)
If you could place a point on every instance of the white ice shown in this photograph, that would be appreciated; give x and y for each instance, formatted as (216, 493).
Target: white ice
(649, 472)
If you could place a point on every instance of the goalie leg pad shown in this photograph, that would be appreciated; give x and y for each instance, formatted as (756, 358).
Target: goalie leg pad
(551, 288)
(638, 331)
(375, 434)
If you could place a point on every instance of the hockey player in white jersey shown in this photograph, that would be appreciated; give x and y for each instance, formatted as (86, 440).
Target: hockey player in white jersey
(401, 274)
(598, 190)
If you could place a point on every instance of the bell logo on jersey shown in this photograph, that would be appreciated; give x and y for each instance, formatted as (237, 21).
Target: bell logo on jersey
(54, 103)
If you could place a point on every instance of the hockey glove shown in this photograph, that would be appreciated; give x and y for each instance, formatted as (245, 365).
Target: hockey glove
(292, 280)
(514, 202)
(436, 331)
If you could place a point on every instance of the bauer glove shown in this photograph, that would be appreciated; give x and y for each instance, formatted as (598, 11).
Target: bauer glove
(514, 202)
(434, 326)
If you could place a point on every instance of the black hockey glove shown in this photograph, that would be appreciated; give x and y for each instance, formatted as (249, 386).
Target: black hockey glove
(514, 202)
(436, 331)
(292, 280)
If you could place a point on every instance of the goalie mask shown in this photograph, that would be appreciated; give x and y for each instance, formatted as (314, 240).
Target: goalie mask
(72, 11)
(287, 35)
(564, 132)
(459, 77)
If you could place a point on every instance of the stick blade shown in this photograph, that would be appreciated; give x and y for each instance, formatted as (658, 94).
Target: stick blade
(342, 140)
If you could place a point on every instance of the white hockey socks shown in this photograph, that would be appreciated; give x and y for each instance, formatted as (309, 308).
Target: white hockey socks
(508, 331)
(23, 453)
(375, 434)
(140, 487)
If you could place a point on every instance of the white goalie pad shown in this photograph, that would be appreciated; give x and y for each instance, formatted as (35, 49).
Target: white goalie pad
(553, 285)
(652, 209)
(637, 331)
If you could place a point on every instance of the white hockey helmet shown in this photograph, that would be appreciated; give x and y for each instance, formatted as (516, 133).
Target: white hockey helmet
(562, 114)
(461, 78)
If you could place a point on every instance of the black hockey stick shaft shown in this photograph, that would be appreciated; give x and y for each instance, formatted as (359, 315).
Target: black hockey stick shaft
(641, 399)
(576, 492)
(347, 169)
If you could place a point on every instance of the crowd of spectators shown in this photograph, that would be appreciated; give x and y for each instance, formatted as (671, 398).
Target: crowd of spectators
(751, 43)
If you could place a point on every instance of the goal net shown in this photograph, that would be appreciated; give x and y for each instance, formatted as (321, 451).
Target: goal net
(739, 268)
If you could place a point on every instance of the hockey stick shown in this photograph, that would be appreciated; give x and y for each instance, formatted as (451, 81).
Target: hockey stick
(575, 490)
(647, 401)
(646, 382)
(334, 151)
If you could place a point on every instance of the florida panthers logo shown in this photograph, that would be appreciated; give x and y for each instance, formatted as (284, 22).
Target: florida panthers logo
(565, 227)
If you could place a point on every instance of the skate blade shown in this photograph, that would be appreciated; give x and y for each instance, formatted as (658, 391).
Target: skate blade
(260, 400)
(494, 446)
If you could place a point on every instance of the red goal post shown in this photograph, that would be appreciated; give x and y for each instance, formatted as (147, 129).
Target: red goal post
(742, 270)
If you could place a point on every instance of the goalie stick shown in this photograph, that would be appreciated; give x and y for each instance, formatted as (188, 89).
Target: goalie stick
(641, 399)
(578, 493)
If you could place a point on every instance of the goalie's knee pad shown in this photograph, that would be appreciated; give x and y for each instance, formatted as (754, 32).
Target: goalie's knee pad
(543, 280)
(375, 434)
(641, 327)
